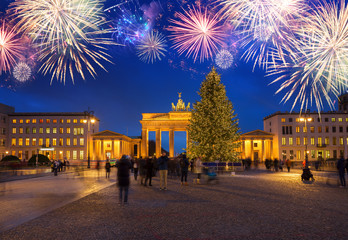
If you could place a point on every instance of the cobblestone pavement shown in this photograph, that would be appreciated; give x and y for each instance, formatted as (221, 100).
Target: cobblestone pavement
(249, 205)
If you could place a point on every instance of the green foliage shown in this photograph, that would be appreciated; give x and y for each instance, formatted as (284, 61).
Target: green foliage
(43, 160)
(10, 158)
(213, 128)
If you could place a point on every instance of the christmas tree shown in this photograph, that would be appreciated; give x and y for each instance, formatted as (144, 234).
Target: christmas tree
(213, 128)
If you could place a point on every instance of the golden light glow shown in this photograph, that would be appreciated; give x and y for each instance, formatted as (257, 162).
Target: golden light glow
(84, 121)
(93, 121)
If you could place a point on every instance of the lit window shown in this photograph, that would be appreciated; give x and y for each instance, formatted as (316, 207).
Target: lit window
(27, 121)
(20, 130)
(68, 154)
(298, 141)
(48, 130)
(33, 120)
(61, 130)
(20, 120)
(61, 120)
(81, 120)
(60, 141)
(290, 141)
(305, 141)
(14, 120)
(319, 129)
(320, 141)
(54, 141)
(27, 142)
(298, 155)
(27, 130)
(333, 119)
(297, 120)
(13, 153)
(75, 141)
(41, 121)
(68, 121)
(304, 129)
(40, 130)
(75, 121)
(68, 141)
(20, 154)
(283, 120)
(334, 141)
(40, 141)
(14, 130)
(297, 129)
(54, 120)
(312, 153)
(48, 120)
(327, 153)
(47, 142)
(74, 155)
(33, 142)
(82, 142)
(54, 130)
(34, 130)
(283, 141)
(346, 119)
(81, 155)
(13, 142)
(20, 141)
(82, 131)
(312, 141)
(312, 129)
(68, 130)
(327, 141)
(341, 140)
(75, 131)
(340, 119)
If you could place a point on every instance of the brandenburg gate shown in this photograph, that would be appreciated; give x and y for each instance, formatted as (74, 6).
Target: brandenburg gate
(175, 120)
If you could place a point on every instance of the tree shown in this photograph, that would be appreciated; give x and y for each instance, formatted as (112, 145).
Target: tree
(42, 160)
(213, 128)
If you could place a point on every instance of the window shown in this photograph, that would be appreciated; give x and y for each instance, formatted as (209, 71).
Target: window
(20, 130)
(290, 141)
(297, 129)
(41, 121)
(68, 121)
(61, 130)
(333, 119)
(326, 119)
(20, 141)
(20, 120)
(54, 141)
(27, 142)
(81, 120)
(20, 154)
(54, 120)
(14, 120)
(75, 141)
(14, 130)
(40, 141)
(312, 141)
(283, 141)
(33, 142)
(333, 129)
(68, 130)
(13, 142)
(68, 141)
(27, 130)
(54, 130)
(312, 153)
(286, 130)
(305, 141)
(326, 129)
(304, 129)
(81, 154)
(82, 142)
(61, 143)
(48, 120)
(327, 154)
(319, 129)
(283, 120)
(291, 154)
(320, 143)
(334, 141)
(48, 130)
(341, 141)
(297, 120)
(290, 119)
(312, 129)
(68, 154)
(327, 141)
(40, 130)
(341, 129)
(298, 154)
(298, 141)
(47, 142)
(61, 120)
(27, 120)
(74, 155)
(75, 121)
(34, 130)
(340, 119)
(33, 120)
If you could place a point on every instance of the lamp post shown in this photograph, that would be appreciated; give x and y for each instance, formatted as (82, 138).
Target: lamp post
(89, 115)
(305, 120)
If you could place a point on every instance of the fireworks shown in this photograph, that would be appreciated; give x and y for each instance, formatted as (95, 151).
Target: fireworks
(197, 33)
(320, 67)
(224, 59)
(67, 33)
(152, 47)
(10, 48)
(22, 72)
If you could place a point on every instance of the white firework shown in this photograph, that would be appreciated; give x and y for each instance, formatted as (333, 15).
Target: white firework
(22, 72)
(263, 32)
(224, 59)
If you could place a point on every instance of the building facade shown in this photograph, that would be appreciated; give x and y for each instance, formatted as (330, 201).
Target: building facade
(323, 135)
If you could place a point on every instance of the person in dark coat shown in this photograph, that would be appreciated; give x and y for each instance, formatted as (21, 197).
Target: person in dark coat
(163, 169)
(149, 171)
(107, 168)
(142, 170)
(123, 168)
(184, 164)
(276, 164)
(340, 167)
(135, 169)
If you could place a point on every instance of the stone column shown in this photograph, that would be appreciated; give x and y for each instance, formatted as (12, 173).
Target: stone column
(120, 150)
(113, 155)
(262, 150)
(252, 150)
(243, 148)
(94, 152)
(102, 150)
(171, 143)
(271, 146)
(187, 139)
(144, 143)
(158, 142)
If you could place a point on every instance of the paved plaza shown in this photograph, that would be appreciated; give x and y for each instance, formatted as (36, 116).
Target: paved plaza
(254, 204)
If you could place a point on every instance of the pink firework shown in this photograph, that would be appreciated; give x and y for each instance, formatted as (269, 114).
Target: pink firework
(197, 33)
(10, 48)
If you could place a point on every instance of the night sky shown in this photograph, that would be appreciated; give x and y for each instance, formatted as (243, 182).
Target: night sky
(131, 87)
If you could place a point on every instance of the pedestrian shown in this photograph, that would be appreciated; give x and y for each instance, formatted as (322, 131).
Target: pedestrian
(184, 164)
(198, 169)
(135, 169)
(68, 164)
(107, 168)
(340, 167)
(288, 164)
(163, 169)
(142, 170)
(347, 165)
(55, 167)
(281, 163)
(123, 167)
(149, 171)
(275, 164)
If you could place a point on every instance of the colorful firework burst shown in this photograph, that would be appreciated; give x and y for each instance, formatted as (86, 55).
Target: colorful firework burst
(320, 68)
(22, 72)
(197, 33)
(151, 47)
(10, 48)
(224, 59)
(67, 33)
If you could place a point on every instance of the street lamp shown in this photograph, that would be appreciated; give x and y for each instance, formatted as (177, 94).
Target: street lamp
(305, 120)
(89, 115)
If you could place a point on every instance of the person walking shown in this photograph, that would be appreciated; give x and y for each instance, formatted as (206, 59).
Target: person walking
(149, 171)
(198, 169)
(163, 169)
(135, 169)
(276, 164)
(288, 164)
(107, 168)
(184, 164)
(341, 173)
(123, 166)
(142, 170)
